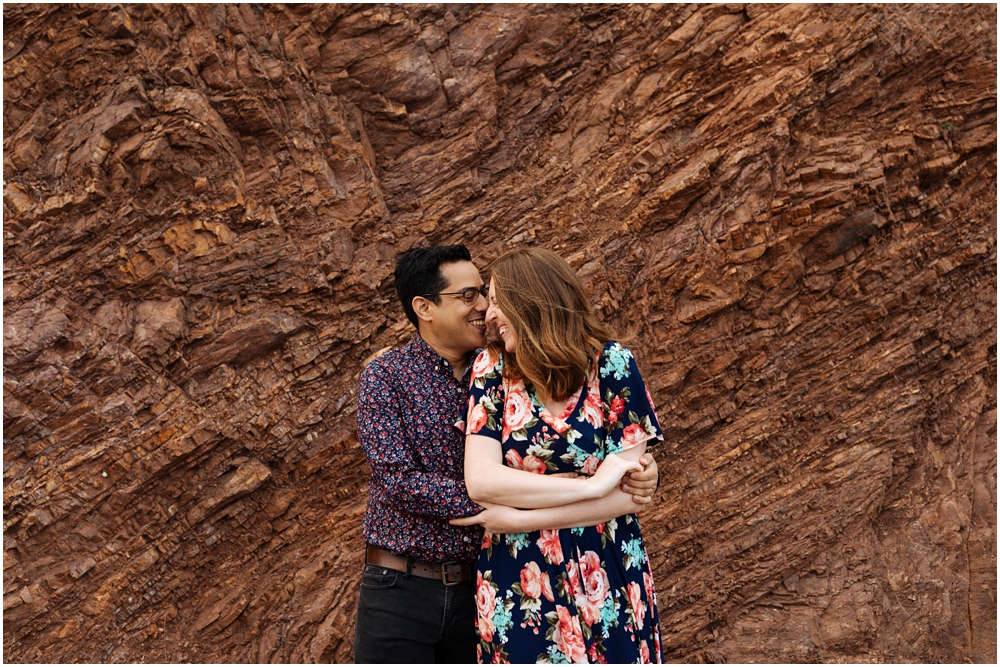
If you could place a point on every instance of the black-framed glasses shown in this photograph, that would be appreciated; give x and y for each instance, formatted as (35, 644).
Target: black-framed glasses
(469, 295)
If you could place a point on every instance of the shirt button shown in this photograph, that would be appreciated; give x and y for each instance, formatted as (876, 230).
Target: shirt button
(465, 539)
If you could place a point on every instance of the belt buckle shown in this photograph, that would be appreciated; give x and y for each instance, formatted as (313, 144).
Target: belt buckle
(445, 571)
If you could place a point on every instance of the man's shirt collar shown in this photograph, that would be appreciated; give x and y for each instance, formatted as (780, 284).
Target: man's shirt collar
(431, 360)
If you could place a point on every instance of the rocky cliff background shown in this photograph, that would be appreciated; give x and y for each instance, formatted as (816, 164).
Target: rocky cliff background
(793, 208)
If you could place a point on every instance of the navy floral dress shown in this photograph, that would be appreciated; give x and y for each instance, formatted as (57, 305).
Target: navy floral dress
(575, 595)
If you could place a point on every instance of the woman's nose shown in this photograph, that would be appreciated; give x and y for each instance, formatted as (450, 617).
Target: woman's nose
(491, 314)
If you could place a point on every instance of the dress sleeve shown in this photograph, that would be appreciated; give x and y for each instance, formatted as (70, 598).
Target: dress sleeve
(630, 418)
(486, 398)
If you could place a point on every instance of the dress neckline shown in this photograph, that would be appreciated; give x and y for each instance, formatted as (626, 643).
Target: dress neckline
(558, 422)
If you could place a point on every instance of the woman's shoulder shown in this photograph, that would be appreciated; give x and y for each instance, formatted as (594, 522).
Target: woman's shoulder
(486, 365)
(615, 349)
(616, 361)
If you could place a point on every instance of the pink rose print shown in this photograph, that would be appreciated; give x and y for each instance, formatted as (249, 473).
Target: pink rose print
(633, 435)
(547, 587)
(644, 653)
(487, 541)
(599, 527)
(517, 411)
(535, 583)
(592, 410)
(513, 459)
(560, 426)
(482, 364)
(595, 657)
(647, 583)
(649, 398)
(484, 603)
(550, 546)
(477, 418)
(590, 465)
(534, 464)
(485, 628)
(588, 612)
(635, 601)
(590, 565)
(596, 587)
(617, 405)
(573, 579)
(569, 636)
(531, 580)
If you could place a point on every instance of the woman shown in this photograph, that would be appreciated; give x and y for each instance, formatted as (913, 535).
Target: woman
(553, 395)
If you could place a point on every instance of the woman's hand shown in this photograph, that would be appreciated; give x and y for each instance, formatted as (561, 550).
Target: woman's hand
(610, 473)
(497, 519)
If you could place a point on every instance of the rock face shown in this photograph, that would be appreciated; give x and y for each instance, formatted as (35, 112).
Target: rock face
(792, 207)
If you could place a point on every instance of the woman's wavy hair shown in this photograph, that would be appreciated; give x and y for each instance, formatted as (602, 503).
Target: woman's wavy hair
(558, 334)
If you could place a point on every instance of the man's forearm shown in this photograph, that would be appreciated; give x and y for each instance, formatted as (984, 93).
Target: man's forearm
(429, 494)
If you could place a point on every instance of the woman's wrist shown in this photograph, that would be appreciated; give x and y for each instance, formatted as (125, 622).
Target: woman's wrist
(596, 488)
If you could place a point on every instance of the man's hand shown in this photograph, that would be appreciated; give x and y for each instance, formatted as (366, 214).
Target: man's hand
(498, 519)
(643, 484)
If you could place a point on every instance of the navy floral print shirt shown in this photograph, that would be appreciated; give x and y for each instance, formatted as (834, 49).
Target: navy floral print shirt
(408, 404)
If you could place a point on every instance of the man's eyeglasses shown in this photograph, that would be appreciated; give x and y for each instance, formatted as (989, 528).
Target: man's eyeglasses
(469, 295)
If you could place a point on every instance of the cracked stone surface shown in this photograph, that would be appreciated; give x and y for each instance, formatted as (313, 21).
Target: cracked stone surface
(792, 208)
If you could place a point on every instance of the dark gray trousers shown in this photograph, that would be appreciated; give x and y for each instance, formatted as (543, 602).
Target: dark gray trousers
(409, 619)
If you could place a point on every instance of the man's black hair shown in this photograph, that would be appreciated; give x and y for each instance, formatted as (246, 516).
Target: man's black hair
(418, 272)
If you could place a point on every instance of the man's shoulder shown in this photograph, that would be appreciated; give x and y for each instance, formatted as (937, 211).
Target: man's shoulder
(379, 378)
(387, 359)
(389, 363)
(382, 365)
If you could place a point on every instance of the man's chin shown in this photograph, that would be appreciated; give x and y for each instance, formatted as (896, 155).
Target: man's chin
(492, 336)
(476, 341)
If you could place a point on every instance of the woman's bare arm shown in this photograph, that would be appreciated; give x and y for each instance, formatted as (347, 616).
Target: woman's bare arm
(504, 519)
(501, 519)
(487, 479)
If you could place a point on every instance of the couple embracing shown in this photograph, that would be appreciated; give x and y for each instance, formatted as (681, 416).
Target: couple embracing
(500, 524)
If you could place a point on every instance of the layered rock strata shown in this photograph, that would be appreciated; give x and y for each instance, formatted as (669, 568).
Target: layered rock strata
(792, 208)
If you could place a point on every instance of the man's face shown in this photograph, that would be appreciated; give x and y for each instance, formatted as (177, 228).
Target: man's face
(461, 325)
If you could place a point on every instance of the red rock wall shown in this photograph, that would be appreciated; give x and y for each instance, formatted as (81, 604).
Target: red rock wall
(793, 208)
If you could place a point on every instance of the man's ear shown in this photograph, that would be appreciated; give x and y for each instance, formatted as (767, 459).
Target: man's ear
(422, 308)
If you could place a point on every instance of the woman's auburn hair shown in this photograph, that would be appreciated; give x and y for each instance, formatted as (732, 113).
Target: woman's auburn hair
(558, 334)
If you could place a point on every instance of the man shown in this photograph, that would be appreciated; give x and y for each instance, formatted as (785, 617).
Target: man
(417, 600)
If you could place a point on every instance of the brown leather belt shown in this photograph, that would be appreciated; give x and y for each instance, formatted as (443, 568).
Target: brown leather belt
(449, 573)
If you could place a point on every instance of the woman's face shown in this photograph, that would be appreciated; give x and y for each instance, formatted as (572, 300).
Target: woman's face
(495, 319)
